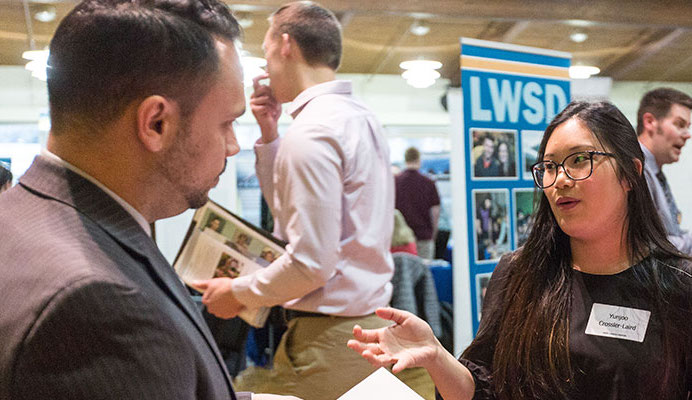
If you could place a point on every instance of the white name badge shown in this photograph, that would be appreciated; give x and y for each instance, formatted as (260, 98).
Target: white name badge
(618, 322)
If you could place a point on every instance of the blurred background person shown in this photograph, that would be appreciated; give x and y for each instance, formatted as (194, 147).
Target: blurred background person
(418, 201)
(507, 164)
(403, 238)
(663, 125)
(487, 164)
(337, 268)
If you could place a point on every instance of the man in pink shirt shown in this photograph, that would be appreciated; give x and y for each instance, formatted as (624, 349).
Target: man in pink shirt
(331, 192)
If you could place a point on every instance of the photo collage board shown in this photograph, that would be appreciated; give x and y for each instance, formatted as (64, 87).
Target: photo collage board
(510, 95)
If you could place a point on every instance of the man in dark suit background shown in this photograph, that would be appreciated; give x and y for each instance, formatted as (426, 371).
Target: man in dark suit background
(142, 97)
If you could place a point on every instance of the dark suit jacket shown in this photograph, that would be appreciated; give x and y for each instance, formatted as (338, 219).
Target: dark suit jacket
(89, 307)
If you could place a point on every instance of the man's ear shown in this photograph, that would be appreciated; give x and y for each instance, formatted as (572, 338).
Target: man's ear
(156, 121)
(287, 45)
(650, 122)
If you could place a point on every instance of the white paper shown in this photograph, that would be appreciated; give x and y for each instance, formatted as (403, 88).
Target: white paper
(380, 385)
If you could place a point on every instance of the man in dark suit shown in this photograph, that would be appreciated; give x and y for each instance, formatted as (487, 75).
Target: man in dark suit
(142, 96)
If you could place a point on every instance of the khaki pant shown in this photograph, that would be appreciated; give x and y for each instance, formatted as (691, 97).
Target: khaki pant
(312, 361)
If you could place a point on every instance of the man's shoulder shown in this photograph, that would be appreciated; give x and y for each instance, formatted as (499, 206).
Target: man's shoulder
(333, 109)
(49, 237)
(413, 177)
(422, 178)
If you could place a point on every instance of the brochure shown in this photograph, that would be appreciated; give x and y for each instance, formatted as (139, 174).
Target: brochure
(381, 384)
(221, 244)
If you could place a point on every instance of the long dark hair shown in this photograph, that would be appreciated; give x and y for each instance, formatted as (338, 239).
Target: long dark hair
(529, 334)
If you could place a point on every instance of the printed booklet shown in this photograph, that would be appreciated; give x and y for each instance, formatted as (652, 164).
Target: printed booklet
(221, 244)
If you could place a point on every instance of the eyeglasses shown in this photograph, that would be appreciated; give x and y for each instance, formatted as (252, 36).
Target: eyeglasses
(578, 166)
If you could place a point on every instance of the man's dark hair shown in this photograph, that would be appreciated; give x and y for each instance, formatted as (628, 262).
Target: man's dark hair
(658, 102)
(108, 53)
(412, 155)
(5, 176)
(314, 28)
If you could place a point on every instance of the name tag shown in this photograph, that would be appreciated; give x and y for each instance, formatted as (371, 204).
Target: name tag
(618, 322)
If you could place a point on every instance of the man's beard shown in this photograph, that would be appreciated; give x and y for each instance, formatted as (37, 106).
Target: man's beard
(198, 198)
(173, 167)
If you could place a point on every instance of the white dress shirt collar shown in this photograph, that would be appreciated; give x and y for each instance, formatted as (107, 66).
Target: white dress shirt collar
(335, 87)
(131, 210)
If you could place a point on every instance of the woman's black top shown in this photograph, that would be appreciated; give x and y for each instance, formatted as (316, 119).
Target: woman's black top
(605, 367)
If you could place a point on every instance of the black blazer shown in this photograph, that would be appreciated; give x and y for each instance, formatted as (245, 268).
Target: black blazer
(89, 307)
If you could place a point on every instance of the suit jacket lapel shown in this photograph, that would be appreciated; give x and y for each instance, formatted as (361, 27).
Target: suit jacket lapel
(48, 179)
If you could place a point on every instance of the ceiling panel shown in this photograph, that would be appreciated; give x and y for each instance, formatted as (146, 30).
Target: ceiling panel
(628, 39)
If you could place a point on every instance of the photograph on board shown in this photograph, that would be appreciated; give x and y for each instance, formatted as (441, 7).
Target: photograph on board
(523, 212)
(491, 224)
(493, 154)
(482, 281)
(530, 141)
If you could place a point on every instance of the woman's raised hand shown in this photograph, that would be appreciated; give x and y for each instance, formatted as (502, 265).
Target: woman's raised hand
(408, 343)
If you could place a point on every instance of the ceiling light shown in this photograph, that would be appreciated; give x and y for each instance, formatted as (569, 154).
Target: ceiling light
(37, 64)
(419, 29)
(579, 23)
(420, 64)
(583, 71)
(45, 14)
(420, 73)
(578, 37)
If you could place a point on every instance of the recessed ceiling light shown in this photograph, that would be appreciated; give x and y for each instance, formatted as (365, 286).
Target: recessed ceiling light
(583, 71)
(45, 14)
(420, 73)
(419, 29)
(579, 23)
(578, 37)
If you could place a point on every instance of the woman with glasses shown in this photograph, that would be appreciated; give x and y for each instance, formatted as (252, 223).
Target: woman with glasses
(596, 305)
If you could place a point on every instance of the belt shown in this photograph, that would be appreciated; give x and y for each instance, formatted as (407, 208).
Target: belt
(293, 314)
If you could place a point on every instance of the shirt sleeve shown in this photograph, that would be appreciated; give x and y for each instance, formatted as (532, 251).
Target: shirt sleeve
(265, 153)
(307, 186)
(434, 196)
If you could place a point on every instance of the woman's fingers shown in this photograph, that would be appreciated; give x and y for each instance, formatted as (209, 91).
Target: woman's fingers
(393, 314)
(361, 347)
(366, 335)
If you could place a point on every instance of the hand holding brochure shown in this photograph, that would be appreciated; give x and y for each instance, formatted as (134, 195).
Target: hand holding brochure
(220, 244)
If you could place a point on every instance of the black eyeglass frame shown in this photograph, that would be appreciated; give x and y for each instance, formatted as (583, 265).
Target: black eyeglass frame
(591, 153)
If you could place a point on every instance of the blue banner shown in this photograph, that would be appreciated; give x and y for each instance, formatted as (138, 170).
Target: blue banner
(510, 94)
